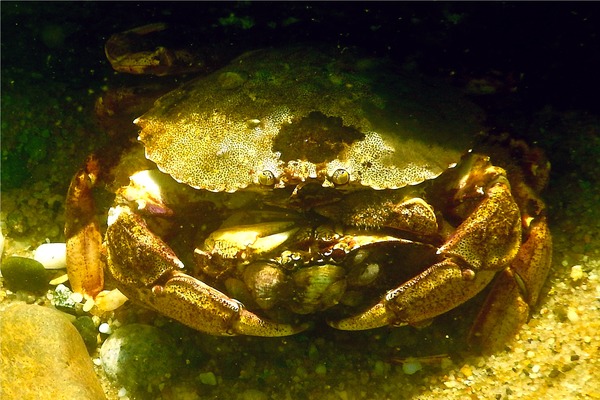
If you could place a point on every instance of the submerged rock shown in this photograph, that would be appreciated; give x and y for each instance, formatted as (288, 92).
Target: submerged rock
(139, 357)
(43, 356)
(22, 273)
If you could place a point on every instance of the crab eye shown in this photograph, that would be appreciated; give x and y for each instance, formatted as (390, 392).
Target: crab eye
(340, 177)
(266, 178)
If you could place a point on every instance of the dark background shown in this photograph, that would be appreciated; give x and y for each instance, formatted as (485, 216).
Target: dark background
(551, 48)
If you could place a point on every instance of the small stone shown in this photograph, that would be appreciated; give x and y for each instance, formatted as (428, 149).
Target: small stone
(451, 384)
(381, 368)
(87, 329)
(207, 378)
(411, 366)
(52, 360)
(554, 373)
(52, 255)
(253, 394)
(321, 369)
(139, 356)
(61, 299)
(576, 273)
(466, 371)
(16, 223)
(104, 328)
(22, 273)
(572, 314)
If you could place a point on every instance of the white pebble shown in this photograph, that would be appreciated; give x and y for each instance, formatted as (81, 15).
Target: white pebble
(88, 305)
(572, 314)
(576, 273)
(530, 354)
(76, 297)
(104, 328)
(52, 255)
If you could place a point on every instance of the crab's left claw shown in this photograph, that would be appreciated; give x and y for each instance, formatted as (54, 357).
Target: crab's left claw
(485, 242)
(148, 271)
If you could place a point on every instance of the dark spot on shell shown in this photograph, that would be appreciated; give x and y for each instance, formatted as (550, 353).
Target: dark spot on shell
(315, 138)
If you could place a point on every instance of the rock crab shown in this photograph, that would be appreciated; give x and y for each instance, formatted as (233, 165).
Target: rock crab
(293, 186)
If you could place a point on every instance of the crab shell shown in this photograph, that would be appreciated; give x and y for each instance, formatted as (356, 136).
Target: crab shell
(281, 117)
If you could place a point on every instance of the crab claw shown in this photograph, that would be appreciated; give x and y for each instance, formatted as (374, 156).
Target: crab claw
(148, 271)
(485, 243)
(204, 308)
(435, 291)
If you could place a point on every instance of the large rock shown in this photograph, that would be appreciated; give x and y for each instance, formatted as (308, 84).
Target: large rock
(43, 357)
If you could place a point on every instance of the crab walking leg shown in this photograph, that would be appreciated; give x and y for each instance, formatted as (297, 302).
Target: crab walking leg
(486, 242)
(82, 233)
(148, 271)
(516, 290)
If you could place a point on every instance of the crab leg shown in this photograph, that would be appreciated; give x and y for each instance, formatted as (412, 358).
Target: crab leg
(515, 291)
(148, 271)
(487, 241)
(82, 233)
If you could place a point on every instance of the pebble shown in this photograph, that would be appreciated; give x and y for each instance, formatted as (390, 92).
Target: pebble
(22, 273)
(105, 328)
(321, 369)
(139, 357)
(253, 394)
(207, 378)
(87, 329)
(576, 273)
(52, 360)
(411, 366)
(572, 314)
(52, 255)
(466, 371)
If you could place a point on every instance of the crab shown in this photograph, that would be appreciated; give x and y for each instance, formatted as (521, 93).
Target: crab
(293, 187)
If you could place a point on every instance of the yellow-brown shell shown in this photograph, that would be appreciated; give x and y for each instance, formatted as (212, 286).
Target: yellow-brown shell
(296, 114)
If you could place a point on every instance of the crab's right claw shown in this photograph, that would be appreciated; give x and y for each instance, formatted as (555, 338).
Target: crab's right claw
(148, 271)
(483, 244)
(204, 308)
